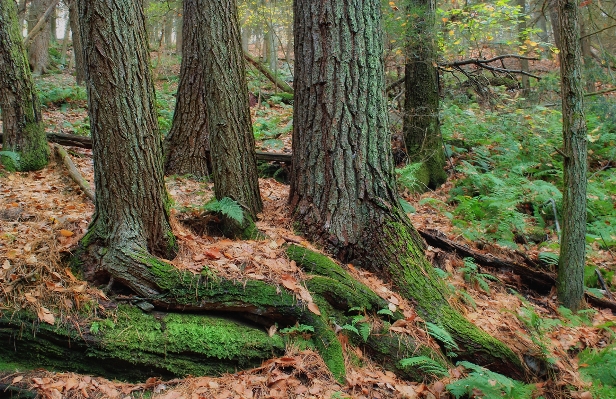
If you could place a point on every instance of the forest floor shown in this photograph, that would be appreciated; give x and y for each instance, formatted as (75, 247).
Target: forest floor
(44, 214)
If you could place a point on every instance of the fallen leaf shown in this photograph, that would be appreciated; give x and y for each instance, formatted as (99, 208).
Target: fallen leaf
(314, 308)
(213, 253)
(45, 315)
(17, 379)
(289, 282)
(66, 233)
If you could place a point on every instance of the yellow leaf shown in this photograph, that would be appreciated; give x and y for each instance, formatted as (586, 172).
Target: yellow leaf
(66, 233)
(314, 308)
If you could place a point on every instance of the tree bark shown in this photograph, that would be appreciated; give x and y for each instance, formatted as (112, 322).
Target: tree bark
(422, 131)
(343, 190)
(522, 36)
(573, 241)
(80, 73)
(131, 217)
(553, 6)
(38, 51)
(234, 165)
(24, 142)
(187, 146)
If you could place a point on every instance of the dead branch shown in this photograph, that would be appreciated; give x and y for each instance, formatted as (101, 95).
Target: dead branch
(535, 279)
(74, 172)
(596, 93)
(281, 84)
(40, 24)
(481, 61)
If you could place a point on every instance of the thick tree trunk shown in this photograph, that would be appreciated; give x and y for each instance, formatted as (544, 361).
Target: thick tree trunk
(422, 131)
(24, 141)
(234, 165)
(38, 52)
(80, 73)
(131, 218)
(343, 189)
(573, 241)
(187, 146)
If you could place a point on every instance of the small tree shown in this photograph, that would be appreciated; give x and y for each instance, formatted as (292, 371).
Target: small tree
(422, 131)
(573, 240)
(24, 144)
(38, 51)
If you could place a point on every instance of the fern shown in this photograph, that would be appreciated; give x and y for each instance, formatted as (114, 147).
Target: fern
(548, 258)
(491, 385)
(408, 177)
(472, 275)
(599, 365)
(425, 364)
(226, 207)
(440, 334)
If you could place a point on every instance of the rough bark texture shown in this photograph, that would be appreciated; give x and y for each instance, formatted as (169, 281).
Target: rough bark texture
(131, 218)
(573, 244)
(234, 165)
(553, 6)
(422, 131)
(80, 72)
(38, 52)
(187, 145)
(343, 189)
(23, 130)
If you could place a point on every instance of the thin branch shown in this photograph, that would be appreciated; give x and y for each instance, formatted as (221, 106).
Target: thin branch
(599, 31)
(480, 61)
(595, 93)
(395, 84)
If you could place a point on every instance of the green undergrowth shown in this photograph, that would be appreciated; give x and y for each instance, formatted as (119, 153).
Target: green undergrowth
(599, 368)
(511, 185)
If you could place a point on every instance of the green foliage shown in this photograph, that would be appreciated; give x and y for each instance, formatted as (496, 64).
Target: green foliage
(227, 207)
(580, 318)
(548, 258)
(599, 367)
(406, 207)
(489, 385)
(471, 274)
(425, 364)
(440, 334)
(10, 159)
(410, 177)
(52, 94)
(298, 329)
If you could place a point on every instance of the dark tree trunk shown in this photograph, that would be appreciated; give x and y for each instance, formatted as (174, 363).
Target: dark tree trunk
(187, 145)
(343, 190)
(24, 134)
(38, 52)
(80, 73)
(131, 218)
(554, 21)
(422, 131)
(573, 241)
(234, 164)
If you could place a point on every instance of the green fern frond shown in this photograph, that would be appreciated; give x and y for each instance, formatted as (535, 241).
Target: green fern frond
(440, 334)
(226, 207)
(491, 385)
(425, 364)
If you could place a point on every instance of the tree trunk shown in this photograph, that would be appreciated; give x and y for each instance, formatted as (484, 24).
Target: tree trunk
(234, 165)
(589, 63)
(422, 131)
(187, 147)
(343, 191)
(179, 25)
(53, 25)
(554, 21)
(573, 241)
(80, 73)
(131, 217)
(38, 52)
(24, 142)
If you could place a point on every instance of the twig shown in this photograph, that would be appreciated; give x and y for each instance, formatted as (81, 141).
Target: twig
(605, 288)
(562, 154)
(74, 172)
(479, 61)
(596, 93)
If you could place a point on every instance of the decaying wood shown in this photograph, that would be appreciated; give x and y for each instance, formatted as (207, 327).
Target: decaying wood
(281, 84)
(74, 172)
(537, 280)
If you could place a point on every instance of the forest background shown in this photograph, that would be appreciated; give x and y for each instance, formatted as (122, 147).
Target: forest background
(502, 139)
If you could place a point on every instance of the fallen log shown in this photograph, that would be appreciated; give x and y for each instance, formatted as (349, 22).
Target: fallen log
(73, 140)
(537, 280)
(281, 84)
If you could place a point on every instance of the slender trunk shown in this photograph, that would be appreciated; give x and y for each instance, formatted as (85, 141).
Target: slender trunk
(131, 218)
(573, 242)
(422, 132)
(589, 63)
(555, 22)
(80, 73)
(53, 25)
(65, 40)
(232, 143)
(38, 52)
(187, 145)
(522, 36)
(24, 141)
(179, 21)
(343, 191)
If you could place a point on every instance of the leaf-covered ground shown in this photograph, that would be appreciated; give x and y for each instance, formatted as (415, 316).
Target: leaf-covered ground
(43, 215)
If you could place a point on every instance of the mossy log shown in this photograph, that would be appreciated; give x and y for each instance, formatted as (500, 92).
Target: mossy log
(186, 334)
